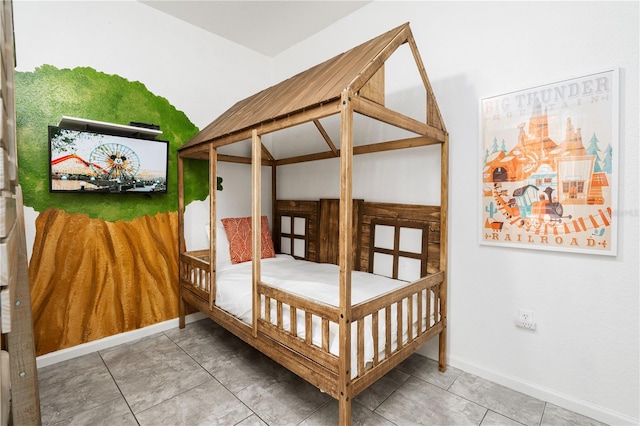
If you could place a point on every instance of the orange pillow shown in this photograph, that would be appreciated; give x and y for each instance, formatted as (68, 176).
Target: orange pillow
(239, 234)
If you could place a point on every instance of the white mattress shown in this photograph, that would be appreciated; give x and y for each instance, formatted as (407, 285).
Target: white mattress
(315, 281)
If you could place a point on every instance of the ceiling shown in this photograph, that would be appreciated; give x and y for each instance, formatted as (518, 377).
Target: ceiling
(268, 27)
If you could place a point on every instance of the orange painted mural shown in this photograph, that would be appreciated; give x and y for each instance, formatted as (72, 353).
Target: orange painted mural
(549, 166)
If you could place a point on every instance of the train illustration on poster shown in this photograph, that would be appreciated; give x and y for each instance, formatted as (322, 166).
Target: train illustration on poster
(544, 184)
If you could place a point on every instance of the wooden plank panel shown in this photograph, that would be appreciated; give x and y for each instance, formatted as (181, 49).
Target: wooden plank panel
(25, 398)
(374, 88)
(329, 231)
(402, 211)
(296, 208)
(378, 61)
(301, 346)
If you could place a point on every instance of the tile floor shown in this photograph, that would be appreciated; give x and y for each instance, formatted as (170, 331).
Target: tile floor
(203, 375)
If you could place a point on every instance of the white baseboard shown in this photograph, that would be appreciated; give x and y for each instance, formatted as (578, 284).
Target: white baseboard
(108, 342)
(568, 402)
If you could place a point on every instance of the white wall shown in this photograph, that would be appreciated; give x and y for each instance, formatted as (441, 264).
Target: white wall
(197, 72)
(233, 201)
(584, 354)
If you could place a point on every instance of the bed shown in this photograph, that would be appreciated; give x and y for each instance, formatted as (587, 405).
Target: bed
(348, 288)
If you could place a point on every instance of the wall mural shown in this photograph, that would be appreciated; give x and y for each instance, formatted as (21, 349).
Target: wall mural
(102, 264)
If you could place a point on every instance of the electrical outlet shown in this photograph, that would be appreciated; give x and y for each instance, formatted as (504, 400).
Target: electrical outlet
(525, 316)
(525, 319)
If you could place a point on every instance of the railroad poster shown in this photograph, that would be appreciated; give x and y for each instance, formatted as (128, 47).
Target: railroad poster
(549, 166)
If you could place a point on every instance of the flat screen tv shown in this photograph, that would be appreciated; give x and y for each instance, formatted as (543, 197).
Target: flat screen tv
(84, 161)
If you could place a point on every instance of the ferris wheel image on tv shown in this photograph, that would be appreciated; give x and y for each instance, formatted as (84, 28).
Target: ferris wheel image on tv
(115, 161)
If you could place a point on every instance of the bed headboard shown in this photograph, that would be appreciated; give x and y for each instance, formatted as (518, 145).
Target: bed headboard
(397, 240)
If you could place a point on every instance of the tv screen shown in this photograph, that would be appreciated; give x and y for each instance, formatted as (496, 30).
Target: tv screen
(83, 161)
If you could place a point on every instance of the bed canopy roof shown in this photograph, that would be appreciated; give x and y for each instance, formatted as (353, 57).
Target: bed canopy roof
(316, 93)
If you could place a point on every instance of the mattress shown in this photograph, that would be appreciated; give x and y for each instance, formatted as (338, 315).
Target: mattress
(318, 282)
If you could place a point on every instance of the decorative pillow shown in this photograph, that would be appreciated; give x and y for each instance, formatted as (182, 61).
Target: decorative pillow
(239, 234)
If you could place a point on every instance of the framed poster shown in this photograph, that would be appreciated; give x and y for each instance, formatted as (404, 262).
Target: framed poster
(549, 166)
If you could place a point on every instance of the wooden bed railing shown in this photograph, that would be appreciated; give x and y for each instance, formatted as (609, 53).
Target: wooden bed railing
(414, 311)
(297, 332)
(296, 305)
(196, 275)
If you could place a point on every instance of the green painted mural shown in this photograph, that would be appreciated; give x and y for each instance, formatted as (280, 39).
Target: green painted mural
(102, 263)
(48, 93)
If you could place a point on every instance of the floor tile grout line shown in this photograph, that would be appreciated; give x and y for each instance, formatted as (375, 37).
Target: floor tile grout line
(466, 399)
(483, 417)
(315, 411)
(214, 378)
(242, 420)
(392, 393)
(115, 382)
(181, 393)
(409, 375)
(544, 410)
(493, 410)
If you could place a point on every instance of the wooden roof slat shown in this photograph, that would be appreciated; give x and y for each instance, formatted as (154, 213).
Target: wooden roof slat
(347, 66)
(320, 84)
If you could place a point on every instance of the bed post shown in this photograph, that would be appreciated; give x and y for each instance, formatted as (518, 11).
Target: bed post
(213, 189)
(274, 194)
(181, 243)
(444, 206)
(256, 225)
(345, 259)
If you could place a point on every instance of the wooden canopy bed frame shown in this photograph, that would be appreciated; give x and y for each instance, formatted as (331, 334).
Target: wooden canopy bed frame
(339, 231)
